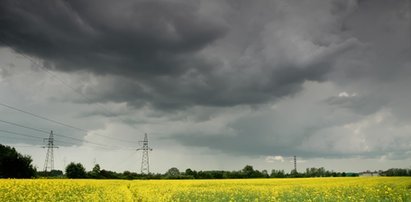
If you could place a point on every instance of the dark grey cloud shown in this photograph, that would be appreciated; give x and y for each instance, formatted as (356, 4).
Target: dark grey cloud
(324, 79)
(124, 37)
(384, 30)
(173, 54)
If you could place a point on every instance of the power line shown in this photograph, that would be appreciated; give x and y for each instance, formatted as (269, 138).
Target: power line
(30, 136)
(41, 117)
(20, 134)
(43, 131)
(34, 129)
(59, 122)
(18, 146)
(5, 133)
(54, 76)
(19, 138)
(21, 126)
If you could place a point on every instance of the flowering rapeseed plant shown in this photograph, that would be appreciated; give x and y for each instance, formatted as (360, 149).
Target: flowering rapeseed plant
(308, 189)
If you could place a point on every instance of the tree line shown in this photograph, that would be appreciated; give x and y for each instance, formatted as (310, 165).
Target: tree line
(15, 165)
(77, 170)
(397, 172)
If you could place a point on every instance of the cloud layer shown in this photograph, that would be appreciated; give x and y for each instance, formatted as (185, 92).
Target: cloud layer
(278, 78)
(173, 54)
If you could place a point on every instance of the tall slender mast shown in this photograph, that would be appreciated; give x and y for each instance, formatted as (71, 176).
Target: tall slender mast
(295, 164)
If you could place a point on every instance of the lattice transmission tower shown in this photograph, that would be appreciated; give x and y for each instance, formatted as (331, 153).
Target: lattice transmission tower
(49, 162)
(145, 163)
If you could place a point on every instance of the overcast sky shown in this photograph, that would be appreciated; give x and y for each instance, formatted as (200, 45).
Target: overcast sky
(215, 84)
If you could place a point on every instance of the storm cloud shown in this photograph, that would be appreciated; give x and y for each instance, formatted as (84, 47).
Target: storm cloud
(173, 54)
(326, 79)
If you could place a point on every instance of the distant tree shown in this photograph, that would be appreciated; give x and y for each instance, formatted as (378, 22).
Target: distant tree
(15, 165)
(96, 168)
(328, 173)
(248, 171)
(277, 174)
(265, 173)
(257, 174)
(189, 172)
(236, 174)
(106, 174)
(397, 172)
(173, 173)
(56, 173)
(294, 173)
(75, 170)
(95, 173)
(50, 174)
(130, 175)
(317, 172)
(204, 175)
(216, 174)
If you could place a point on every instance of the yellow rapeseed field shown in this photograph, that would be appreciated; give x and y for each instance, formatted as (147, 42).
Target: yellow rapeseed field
(308, 189)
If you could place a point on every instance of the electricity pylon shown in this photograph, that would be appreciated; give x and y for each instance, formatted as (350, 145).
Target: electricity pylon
(145, 163)
(49, 162)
